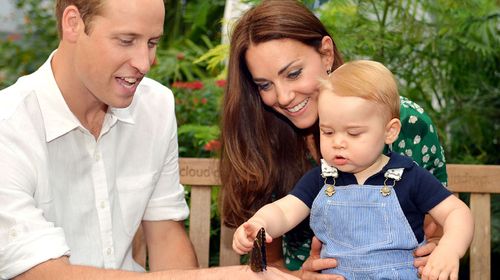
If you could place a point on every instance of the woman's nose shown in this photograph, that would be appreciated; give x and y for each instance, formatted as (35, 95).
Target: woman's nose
(284, 95)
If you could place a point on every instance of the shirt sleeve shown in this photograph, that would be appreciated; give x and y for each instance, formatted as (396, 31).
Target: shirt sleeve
(418, 139)
(308, 186)
(26, 237)
(168, 201)
(429, 192)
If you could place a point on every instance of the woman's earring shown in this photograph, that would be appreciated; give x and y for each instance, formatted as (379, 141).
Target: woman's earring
(329, 72)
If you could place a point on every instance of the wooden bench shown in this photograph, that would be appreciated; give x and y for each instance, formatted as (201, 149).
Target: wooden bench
(202, 175)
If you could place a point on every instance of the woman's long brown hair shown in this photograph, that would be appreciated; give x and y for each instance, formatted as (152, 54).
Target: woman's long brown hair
(263, 154)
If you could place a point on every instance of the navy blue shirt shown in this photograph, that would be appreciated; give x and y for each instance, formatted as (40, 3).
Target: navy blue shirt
(417, 191)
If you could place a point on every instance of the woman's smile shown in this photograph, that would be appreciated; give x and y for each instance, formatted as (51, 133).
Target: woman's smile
(299, 106)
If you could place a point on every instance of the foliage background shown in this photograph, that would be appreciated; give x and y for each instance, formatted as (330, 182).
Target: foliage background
(445, 54)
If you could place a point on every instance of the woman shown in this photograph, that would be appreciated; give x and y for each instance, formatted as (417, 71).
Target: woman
(279, 50)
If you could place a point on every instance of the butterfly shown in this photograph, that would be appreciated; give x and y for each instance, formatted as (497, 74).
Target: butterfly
(258, 260)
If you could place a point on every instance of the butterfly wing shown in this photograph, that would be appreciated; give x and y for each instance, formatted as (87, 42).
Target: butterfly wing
(258, 261)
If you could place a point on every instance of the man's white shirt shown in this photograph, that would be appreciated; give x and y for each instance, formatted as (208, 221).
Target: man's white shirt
(62, 192)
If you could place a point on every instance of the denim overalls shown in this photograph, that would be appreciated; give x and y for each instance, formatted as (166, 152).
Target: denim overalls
(365, 229)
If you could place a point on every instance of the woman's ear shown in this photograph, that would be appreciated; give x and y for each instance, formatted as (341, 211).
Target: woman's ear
(326, 51)
(392, 130)
(71, 23)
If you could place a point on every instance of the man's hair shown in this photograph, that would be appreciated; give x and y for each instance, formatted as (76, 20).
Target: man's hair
(88, 9)
(366, 79)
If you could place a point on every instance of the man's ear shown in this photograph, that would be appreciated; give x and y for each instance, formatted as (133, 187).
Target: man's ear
(71, 23)
(392, 130)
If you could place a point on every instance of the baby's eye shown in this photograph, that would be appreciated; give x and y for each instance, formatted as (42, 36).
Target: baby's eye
(354, 133)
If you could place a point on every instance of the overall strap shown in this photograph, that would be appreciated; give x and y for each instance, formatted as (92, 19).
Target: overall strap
(326, 172)
(395, 174)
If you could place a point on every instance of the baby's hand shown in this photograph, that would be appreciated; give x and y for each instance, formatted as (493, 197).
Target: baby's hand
(443, 263)
(245, 235)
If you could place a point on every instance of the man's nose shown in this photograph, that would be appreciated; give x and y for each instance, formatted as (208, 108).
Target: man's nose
(142, 59)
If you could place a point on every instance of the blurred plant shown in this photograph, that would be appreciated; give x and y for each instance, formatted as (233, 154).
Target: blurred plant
(180, 62)
(191, 28)
(214, 58)
(445, 56)
(192, 20)
(23, 52)
(197, 111)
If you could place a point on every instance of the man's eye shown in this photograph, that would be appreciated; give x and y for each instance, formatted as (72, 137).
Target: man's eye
(152, 44)
(126, 41)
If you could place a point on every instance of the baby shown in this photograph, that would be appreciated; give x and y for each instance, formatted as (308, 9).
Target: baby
(366, 207)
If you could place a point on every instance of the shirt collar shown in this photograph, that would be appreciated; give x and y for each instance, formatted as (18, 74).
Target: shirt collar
(124, 114)
(397, 161)
(57, 117)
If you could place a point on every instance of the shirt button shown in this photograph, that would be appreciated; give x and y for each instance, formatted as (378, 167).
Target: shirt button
(108, 251)
(13, 233)
(103, 204)
(97, 156)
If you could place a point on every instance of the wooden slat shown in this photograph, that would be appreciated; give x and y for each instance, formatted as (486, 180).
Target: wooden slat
(227, 255)
(474, 178)
(199, 222)
(199, 171)
(480, 249)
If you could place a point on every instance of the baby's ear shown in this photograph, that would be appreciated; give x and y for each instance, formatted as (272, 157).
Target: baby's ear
(392, 130)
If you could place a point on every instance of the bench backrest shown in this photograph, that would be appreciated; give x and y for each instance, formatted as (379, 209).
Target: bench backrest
(479, 180)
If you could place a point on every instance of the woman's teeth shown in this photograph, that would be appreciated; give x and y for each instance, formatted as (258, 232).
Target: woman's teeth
(299, 106)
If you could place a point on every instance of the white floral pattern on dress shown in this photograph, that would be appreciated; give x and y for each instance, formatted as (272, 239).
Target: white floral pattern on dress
(409, 152)
(425, 158)
(417, 139)
(412, 119)
(425, 149)
(401, 144)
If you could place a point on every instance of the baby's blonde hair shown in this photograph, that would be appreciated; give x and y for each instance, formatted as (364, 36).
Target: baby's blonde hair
(366, 79)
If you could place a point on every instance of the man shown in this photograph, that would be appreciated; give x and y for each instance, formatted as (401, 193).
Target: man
(88, 150)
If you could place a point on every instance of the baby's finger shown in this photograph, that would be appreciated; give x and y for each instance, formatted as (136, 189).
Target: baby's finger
(240, 248)
(269, 238)
(430, 273)
(249, 230)
(245, 239)
(454, 274)
(444, 275)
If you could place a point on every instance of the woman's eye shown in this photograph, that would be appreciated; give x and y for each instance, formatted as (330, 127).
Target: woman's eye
(294, 74)
(263, 86)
